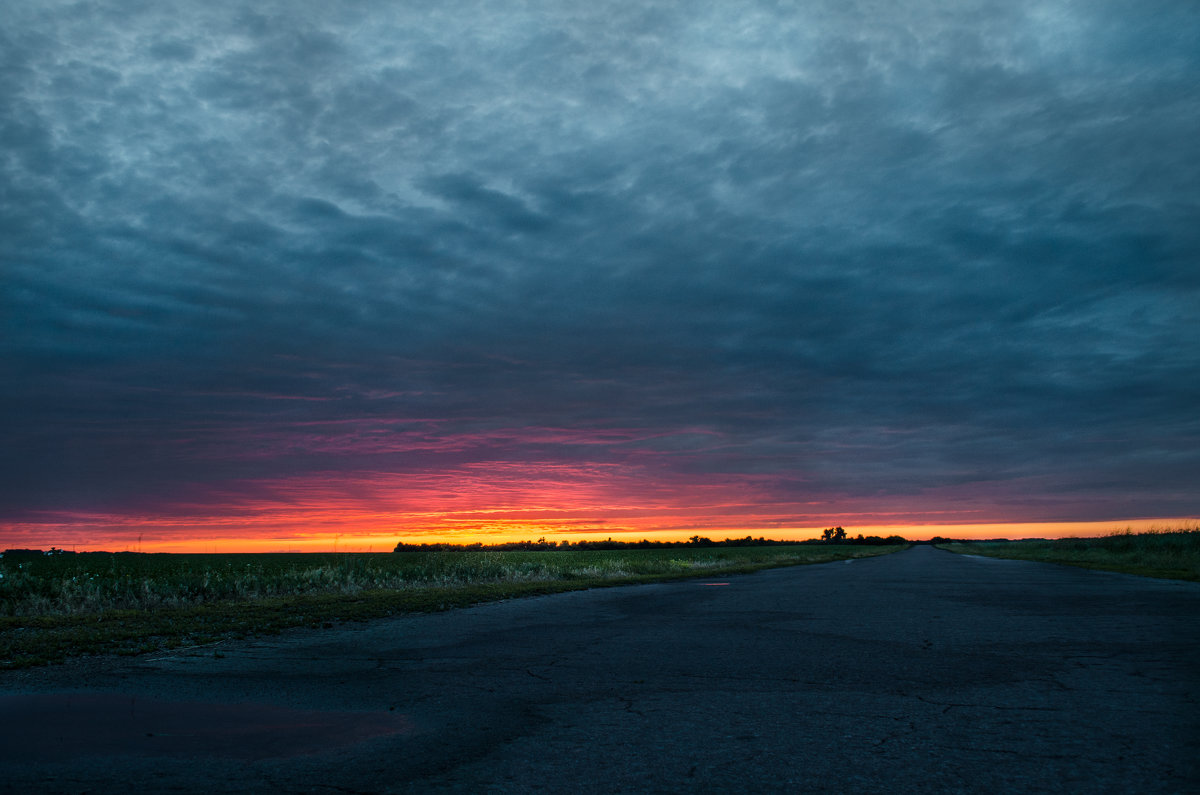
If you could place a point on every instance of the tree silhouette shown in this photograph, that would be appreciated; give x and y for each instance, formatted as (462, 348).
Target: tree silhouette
(833, 534)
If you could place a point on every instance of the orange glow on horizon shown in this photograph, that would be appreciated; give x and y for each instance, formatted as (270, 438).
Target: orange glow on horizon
(380, 539)
(498, 503)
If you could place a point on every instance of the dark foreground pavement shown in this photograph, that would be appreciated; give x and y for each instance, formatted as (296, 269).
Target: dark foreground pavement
(920, 671)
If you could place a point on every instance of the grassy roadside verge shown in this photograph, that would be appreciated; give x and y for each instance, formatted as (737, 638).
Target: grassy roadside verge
(1173, 554)
(55, 609)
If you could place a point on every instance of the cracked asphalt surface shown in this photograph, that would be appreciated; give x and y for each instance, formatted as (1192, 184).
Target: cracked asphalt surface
(919, 671)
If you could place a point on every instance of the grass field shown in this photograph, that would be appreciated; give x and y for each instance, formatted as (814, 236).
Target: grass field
(57, 606)
(1173, 554)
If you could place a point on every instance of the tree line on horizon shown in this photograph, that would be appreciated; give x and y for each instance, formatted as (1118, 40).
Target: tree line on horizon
(833, 535)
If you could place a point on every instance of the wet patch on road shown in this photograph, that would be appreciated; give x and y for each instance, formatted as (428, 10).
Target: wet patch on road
(60, 726)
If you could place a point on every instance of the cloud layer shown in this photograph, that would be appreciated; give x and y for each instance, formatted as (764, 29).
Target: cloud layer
(907, 260)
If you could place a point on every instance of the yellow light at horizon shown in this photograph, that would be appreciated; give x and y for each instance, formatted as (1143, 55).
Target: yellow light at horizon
(384, 539)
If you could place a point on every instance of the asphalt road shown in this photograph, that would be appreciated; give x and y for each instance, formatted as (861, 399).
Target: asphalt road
(919, 671)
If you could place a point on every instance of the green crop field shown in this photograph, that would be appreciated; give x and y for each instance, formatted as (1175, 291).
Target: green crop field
(53, 607)
(1172, 554)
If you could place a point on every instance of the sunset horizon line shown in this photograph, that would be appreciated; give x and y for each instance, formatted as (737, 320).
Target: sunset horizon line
(386, 542)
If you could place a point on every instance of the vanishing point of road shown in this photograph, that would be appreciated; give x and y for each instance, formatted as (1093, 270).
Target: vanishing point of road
(921, 671)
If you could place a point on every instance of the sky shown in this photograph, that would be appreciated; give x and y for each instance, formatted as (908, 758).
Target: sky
(283, 275)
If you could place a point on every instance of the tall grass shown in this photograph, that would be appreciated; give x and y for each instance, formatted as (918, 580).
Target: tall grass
(61, 606)
(1158, 553)
(72, 584)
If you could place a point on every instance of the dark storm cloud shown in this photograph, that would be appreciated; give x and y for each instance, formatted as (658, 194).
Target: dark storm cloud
(871, 251)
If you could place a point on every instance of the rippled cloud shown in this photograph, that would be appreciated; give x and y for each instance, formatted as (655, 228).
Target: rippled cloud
(900, 260)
